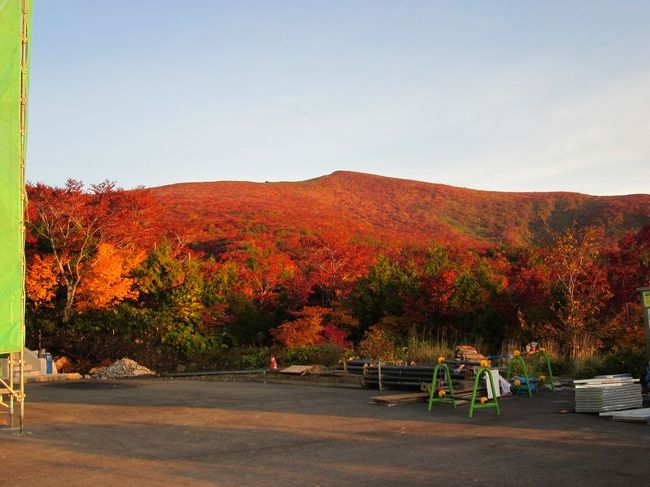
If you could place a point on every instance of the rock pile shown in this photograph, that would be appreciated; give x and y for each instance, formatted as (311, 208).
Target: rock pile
(122, 368)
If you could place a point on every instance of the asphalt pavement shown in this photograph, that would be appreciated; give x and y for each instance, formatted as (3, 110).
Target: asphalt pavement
(200, 432)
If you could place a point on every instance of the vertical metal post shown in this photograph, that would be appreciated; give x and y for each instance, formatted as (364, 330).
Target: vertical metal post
(646, 320)
(644, 293)
(23, 150)
(10, 361)
(22, 385)
(381, 386)
(645, 303)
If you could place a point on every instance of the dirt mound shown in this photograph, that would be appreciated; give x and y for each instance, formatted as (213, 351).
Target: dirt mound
(122, 368)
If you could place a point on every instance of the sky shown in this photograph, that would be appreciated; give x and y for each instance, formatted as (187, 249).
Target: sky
(498, 95)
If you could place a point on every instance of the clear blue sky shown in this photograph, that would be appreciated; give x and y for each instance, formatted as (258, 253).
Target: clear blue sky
(505, 95)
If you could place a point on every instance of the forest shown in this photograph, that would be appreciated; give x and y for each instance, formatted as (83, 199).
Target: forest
(224, 276)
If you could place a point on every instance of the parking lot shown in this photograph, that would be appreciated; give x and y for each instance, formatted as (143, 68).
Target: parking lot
(199, 432)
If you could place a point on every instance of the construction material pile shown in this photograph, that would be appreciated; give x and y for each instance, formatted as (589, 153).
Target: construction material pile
(467, 353)
(394, 376)
(399, 376)
(607, 393)
(122, 368)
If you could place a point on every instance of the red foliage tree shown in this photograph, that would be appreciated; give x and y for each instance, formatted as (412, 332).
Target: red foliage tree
(263, 271)
(70, 223)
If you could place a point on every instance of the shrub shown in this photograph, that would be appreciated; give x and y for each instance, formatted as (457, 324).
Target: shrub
(561, 367)
(326, 354)
(626, 361)
(424, 351)
(377, 343)
(256, 358)
(587, 367)
(334, 335)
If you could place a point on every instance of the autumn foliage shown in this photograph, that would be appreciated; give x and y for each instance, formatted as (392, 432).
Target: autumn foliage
(306, 329)
(198, 269)
(107, 282)
(41, 279)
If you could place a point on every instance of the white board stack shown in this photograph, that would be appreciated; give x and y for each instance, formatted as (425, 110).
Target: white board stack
(630, 415)
(607, 393)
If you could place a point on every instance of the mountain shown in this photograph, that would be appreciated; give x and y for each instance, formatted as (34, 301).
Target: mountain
(389, 209)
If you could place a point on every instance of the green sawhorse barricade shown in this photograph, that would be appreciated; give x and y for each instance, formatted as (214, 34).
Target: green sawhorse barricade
(437, 395)
(484, 402)
(539, 361)
(441, 394)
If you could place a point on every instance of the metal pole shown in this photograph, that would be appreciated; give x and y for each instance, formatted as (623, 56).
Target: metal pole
(381, 387)
(645, 309)
(11, 390)
(23, 149)
(645, 303)
(22, 387)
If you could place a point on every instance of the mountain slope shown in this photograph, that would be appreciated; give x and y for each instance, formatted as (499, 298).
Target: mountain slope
(383, 208)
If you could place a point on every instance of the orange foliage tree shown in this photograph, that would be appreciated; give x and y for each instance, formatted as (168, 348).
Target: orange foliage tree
(107, 280)
(41, 279)
(579, 286)
(305, 330)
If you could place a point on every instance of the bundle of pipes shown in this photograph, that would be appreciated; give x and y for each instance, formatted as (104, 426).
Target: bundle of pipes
(401, 376)
(356, 366)
(395, 376)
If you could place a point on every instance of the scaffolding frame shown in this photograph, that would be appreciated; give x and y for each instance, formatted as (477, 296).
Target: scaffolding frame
(12, 389)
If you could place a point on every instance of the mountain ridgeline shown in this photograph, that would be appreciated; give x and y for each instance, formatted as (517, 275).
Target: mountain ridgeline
(384, 209)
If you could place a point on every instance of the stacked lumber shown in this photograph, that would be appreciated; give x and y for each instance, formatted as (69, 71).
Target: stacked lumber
(606, 393)
(460, 386)
(391, 400)
(462, 389)
(468, 353)
(298, 369)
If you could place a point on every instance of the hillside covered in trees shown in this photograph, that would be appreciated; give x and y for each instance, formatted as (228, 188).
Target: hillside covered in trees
(195, 271)
(379, 208)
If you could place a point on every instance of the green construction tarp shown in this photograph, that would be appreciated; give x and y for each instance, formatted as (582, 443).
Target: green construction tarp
(12, 248)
